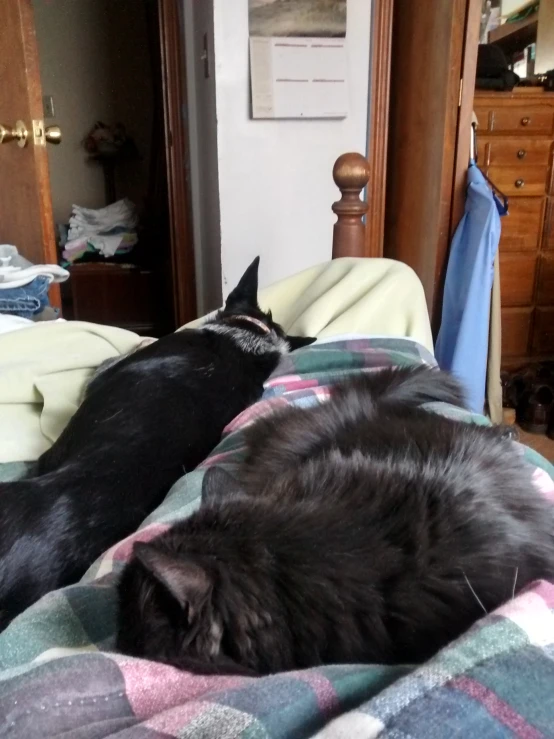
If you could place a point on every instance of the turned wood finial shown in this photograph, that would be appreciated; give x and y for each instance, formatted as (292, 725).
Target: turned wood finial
(351, 175)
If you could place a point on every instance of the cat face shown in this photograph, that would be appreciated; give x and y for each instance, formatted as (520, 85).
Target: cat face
(167, 613)
(194, 598)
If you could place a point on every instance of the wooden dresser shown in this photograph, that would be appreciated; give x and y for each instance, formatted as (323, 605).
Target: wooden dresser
(515, 145)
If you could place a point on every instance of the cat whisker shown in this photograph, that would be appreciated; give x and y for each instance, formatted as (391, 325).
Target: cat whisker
(474, 593)
(114, 415)
(515, 581)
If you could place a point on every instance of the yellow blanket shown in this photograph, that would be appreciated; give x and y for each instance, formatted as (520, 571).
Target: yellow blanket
(44, 369)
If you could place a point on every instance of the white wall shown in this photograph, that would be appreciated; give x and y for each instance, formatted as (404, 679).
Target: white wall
(275, 177)
(92, 52)
(75, 72)
(507, 7)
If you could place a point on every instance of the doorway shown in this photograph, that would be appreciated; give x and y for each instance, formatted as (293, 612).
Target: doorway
(112, 79)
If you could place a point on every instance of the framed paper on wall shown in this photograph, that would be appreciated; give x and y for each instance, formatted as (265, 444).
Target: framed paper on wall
(298, 58)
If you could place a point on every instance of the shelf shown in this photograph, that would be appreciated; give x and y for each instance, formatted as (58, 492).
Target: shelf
(514, 37)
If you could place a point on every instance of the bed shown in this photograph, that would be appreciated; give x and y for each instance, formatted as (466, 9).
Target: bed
(59, 674)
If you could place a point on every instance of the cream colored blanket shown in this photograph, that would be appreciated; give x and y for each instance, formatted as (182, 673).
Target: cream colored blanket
(44, 368)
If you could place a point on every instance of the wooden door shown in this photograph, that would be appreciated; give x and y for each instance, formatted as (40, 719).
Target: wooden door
(26, 218)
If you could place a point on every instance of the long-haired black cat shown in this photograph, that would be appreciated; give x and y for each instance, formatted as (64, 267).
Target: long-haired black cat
(365, 530)
(145, 419)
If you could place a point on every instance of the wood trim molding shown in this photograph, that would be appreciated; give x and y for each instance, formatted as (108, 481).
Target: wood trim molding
(378, 123)
(469, 70)
(176, 141)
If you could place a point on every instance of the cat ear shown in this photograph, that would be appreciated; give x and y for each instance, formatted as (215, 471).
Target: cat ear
(217, 485)
(297, 342)
(187, 582)
(247, 289)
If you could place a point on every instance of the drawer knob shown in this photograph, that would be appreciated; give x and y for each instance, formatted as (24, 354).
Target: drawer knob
(525, 121)
(521, 154)
(519, 183)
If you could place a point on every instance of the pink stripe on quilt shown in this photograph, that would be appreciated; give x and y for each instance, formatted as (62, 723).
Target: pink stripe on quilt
(496, 707)
(545, 590)
(291, 383)
(264, 407)
(261, 408)
(122, 552)
(544, 483)
(152, 688)
(326, 696)
(219, 458)
(532, 602)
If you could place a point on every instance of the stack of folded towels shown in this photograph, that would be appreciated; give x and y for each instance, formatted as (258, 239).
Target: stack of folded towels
(24, 286)
(110, 231)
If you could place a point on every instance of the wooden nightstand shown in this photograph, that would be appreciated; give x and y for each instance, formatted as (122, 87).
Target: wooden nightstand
(116, 295)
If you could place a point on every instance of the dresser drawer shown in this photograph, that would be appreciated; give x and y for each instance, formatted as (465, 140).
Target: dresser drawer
(516, 328)
(517, 279)
(519, 180)
(521, 120)
(545, 288)
(513, 151)
(543, 331)
(522, 227)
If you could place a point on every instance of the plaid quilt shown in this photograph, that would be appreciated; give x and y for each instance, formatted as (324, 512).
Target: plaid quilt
(60, 677)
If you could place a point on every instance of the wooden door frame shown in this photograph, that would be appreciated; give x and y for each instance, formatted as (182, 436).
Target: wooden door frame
(469, 72)
(462, 149)
(378, 123)
(174, 91)
(434, 51)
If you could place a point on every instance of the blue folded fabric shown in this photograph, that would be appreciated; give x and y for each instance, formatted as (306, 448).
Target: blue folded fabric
(27, 300)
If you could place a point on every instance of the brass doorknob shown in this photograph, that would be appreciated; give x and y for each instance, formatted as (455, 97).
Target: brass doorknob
(53, 134)
(17, 133)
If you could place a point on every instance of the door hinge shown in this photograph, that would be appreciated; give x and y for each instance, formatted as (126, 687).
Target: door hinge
(461, 92)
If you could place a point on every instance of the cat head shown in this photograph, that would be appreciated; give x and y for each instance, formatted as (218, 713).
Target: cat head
(242, 310)
(189, 598)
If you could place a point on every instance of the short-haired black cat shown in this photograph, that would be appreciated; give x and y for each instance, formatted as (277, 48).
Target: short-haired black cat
(363, 530)
(145, 419)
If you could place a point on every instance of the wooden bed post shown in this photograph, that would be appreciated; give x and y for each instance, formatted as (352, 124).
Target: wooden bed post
(351, 175)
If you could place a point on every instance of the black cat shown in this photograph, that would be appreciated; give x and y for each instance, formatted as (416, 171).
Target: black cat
(365, 529)
(145, 419)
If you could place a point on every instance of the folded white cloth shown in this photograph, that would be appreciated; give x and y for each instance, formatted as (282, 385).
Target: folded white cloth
(85, 221)
(106, 244)
(16, 260)
(105, 228)
(16, 271)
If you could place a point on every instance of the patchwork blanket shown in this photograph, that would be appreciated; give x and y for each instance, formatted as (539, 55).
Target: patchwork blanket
(60, 677)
